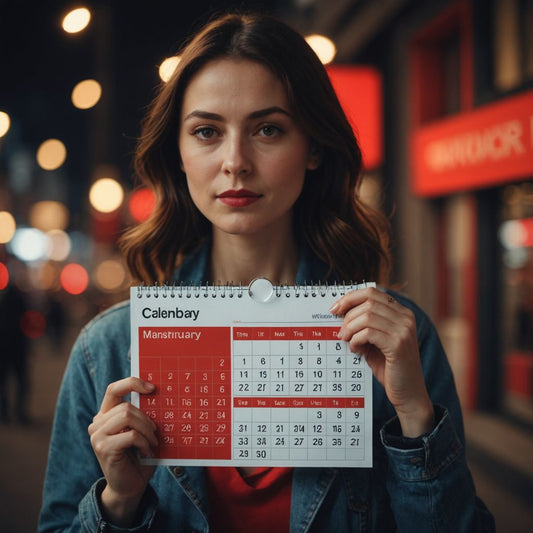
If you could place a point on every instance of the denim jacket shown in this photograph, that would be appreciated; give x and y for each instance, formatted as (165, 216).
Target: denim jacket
(415, 485)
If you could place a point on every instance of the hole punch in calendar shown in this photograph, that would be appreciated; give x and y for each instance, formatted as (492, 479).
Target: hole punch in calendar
(250, 376)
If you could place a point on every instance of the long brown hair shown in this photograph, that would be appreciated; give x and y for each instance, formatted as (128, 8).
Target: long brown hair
(349, 237)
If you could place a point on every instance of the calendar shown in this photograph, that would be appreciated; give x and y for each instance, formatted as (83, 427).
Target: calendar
(250, 376)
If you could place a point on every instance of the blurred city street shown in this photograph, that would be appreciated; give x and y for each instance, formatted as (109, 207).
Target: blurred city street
(499, 454)
(440, 98)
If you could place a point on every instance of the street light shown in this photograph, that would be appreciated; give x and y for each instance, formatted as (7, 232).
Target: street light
(323, 47)
(76, 20)
(5, 123)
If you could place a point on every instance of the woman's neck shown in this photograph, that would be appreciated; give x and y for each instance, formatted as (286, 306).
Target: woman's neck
(238, 259)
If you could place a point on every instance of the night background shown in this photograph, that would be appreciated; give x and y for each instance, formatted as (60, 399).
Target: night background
(437, 63)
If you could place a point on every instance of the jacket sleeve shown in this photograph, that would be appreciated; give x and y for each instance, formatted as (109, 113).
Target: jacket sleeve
(429, 483)
(72, 486)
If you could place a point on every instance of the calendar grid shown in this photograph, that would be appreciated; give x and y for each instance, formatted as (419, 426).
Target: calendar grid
(298, 416)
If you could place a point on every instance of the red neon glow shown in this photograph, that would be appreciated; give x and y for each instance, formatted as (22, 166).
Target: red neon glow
(74, 278)
(526, 225)
(360, 93)
(33, 324)
(4, 276)
(141, 204)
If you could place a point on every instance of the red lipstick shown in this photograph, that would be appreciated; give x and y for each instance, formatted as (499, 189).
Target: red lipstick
(238, 198)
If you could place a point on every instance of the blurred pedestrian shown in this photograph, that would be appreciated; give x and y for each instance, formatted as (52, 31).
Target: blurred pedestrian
(14, 348)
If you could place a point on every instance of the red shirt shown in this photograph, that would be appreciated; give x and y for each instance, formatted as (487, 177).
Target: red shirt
(259, 502)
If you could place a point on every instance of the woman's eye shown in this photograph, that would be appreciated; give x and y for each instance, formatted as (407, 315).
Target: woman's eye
(269, 131)
(204, 133)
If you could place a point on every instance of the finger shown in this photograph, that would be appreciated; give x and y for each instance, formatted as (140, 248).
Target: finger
(117, 390)
(371, 308)
(365, 339)
(392, 338)
(358, 321)
(376, 314)
(357, 297)
(122, 418)
(116, 445)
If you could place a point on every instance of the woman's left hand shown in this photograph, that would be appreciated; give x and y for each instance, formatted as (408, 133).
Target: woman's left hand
(381, 329)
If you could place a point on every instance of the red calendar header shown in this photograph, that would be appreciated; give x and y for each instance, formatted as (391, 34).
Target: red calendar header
(160, 341)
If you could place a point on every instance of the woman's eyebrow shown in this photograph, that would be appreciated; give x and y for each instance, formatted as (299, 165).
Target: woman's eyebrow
(203, 114)
(197, 113)
(269, 111)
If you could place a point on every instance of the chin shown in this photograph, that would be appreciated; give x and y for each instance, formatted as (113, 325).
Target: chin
(244, 231)
(251, 225)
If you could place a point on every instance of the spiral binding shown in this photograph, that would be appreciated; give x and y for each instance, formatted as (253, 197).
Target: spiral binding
(228, 290)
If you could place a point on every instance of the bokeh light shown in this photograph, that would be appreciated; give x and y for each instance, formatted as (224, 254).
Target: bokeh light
(7, 227)
(86, 94)
(49, 215)
(51, 154)
(4, 276)
(167, 67)
(109, 275)
(76, 20)
(141, 204)
(28, 244)
(512, 234)
(74, 278)
(33, 324)
(323, 47)
(5, 123)
(59, 245)
(106, 195)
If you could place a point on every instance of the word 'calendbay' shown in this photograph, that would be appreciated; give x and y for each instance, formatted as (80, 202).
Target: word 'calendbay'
(250, 377)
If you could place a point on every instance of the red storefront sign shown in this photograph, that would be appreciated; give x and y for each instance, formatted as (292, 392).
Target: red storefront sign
(485, 147)
(360, 94)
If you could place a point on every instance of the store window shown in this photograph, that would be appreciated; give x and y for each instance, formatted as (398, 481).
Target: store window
(516, 238)
(442, 86)
(513, 43)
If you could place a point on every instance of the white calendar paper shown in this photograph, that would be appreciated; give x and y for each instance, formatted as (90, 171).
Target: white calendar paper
(252, 376)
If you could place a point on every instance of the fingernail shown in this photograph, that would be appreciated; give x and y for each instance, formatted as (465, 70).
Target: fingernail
(334, 308)
(340, 334)
(149, 386)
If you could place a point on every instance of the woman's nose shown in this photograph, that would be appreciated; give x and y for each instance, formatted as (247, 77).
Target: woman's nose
(237, 160)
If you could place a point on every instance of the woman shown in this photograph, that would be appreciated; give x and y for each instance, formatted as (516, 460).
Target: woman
(256, 172)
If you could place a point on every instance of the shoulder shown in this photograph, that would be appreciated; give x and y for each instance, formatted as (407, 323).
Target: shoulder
(104, 343)
(112, 322)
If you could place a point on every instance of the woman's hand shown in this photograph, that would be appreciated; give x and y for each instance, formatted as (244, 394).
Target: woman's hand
(118, 432)
(384, 332)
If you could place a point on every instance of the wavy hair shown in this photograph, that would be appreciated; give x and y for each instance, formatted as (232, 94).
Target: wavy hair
(348, 236)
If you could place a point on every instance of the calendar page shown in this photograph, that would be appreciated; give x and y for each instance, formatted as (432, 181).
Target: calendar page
(250, 376)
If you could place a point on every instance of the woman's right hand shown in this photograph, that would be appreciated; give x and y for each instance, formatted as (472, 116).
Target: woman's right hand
(118, 433)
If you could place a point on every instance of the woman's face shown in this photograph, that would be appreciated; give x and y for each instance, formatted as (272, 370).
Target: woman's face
(244, 155)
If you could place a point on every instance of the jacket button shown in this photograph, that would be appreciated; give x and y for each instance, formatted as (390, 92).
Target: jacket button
(178, 471)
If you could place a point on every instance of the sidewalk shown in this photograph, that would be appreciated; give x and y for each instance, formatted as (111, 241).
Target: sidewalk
(499, 455)
(24, 448)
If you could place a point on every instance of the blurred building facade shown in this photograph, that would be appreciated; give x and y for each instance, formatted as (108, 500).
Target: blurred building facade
(457, 173)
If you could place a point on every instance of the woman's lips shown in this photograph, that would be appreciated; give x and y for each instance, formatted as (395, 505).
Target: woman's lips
(240, 198)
